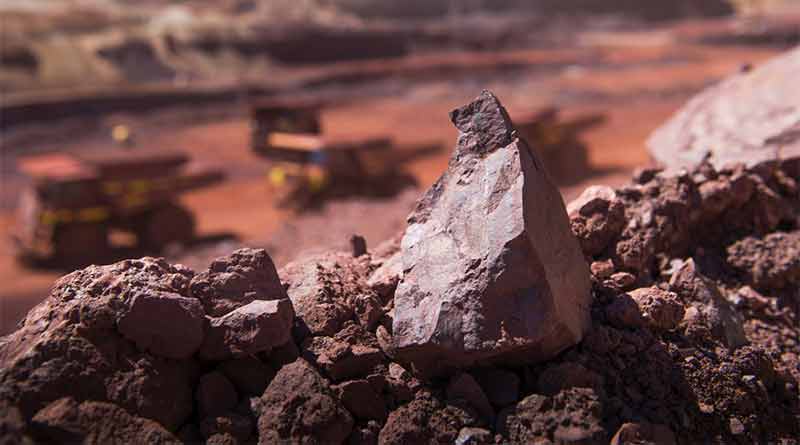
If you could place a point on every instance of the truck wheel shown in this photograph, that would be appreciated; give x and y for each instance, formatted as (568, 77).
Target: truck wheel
(166, 225)
(75, 244)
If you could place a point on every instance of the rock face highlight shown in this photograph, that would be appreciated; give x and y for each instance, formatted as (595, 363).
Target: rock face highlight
(492, 272)
(751, 117)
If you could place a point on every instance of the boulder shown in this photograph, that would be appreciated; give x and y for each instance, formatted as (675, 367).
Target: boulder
(752, 117)
(235, 280)
(70, 346)
(492, 271)
(67, 421)
(300, 407)
(255, 327)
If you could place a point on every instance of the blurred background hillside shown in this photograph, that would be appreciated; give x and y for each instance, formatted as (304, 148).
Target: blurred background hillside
(51, 44)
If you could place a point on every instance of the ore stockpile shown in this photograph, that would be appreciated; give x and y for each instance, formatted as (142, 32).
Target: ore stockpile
(660, 312)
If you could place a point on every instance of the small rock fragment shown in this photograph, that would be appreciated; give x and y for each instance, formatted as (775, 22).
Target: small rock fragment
(602, 269)
(248, 374)
(736, 426)
(597, 217)
(502, 387)
(474, 436)
(464, 387)
(322, 289)
(425, 420)
(383, 281)
(771, 262)
(623, 280)
(571, 416)
(643, 433)
(365, 433)
(235, 280)
(402, 384)
(215, 394)
(255, 327)
(660, 309)
(360, 398)
(358, 245)
(163, 323)
(556, 378)
(623, 312)
(67, 421)
(352, 353)
(299, 388)
(725, 322)
(234, 425)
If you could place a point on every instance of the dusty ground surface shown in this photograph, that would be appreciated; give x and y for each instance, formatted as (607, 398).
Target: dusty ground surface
(637, 78)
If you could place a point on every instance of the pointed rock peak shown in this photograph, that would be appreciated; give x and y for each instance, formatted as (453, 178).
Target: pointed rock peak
(492, 271)
(485, 121)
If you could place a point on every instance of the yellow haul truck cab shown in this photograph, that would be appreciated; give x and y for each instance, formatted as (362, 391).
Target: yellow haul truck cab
(73, 201)
(303, 162)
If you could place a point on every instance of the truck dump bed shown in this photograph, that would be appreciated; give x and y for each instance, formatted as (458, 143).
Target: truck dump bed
(114, 164)
(134, 163)
(56, 167)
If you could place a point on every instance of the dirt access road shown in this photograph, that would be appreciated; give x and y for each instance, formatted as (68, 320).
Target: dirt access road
(636, 79)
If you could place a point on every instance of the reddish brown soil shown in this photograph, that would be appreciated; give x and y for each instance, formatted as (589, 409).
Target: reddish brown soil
(637, 82)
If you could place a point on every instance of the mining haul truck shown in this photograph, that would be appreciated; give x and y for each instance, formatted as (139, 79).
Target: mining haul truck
(558, 141)
(74, 201)
(303, 162)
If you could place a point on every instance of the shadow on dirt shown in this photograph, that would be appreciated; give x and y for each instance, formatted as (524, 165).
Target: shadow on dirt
(123, 252)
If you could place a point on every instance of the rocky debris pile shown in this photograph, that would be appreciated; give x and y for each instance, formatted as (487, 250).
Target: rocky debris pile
(752, 117)
(692, 335)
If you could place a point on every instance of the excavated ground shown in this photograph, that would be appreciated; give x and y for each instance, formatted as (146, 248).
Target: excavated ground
(636, 86)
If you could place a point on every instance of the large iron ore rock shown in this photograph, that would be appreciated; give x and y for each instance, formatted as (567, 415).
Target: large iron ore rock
(751, 117)
(492, 272)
